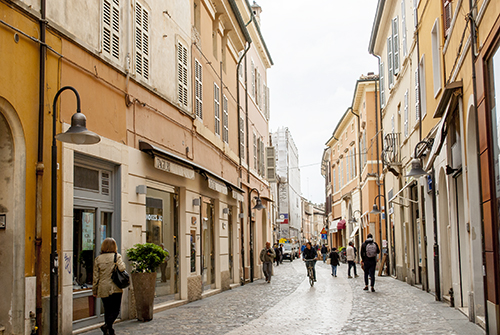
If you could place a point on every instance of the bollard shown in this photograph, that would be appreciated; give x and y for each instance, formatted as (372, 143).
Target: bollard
(452, 298)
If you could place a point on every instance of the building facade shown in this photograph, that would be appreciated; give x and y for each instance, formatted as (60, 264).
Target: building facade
(175, 166)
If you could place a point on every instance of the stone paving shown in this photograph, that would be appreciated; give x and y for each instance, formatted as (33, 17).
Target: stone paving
(290, 306)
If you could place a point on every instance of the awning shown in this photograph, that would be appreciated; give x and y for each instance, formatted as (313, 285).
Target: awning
(186, 164)
(443, 110)
(354, 232)
(341, 225)
(333, 226)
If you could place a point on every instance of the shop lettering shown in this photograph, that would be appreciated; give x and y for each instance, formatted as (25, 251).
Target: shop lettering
(154, 217)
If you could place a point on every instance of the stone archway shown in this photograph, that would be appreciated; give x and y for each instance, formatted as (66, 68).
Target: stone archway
(444, 234)
(12, 210)
(473, 191)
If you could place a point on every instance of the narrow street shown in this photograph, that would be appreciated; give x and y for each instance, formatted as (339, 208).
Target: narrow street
(290, 306)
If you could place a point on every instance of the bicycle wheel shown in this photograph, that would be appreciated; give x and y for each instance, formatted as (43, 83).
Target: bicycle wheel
(311, 277)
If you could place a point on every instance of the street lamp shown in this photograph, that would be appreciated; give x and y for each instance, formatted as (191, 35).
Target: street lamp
(417, 171)
(258, 206)
(77, 134)
(375, 209)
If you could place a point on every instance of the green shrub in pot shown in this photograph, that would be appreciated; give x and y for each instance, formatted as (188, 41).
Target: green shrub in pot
(146, 257)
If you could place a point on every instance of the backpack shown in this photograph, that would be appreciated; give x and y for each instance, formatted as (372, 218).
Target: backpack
(371, 250)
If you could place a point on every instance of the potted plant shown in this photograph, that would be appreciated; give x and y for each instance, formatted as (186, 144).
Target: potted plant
(145, 259)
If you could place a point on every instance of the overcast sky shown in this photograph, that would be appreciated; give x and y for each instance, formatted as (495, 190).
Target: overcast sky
(319, 49)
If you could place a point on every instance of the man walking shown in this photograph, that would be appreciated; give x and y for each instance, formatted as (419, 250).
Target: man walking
(369, 253)
(351, 256)
(324, 251)
(334, 261)
(277, 252)
(267, 257)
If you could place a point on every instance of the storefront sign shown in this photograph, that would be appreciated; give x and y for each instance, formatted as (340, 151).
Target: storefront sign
(154, 217)
(87, 231)
(164, 165)
(217, 186)
(238, 196)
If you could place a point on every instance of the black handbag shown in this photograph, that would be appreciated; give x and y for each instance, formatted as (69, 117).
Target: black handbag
(120, 278)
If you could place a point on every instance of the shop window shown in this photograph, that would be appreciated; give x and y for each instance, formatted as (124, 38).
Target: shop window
(494, 93)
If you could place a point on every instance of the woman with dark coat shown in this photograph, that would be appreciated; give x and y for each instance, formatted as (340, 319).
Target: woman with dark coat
(103, 286)
(334, 261)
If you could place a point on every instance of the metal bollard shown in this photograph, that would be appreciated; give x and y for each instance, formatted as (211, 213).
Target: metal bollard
(452, 297)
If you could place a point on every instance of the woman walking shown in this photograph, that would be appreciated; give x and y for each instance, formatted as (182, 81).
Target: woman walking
(104, 287)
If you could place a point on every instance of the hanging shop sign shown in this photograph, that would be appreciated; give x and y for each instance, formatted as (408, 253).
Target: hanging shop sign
(168, 166)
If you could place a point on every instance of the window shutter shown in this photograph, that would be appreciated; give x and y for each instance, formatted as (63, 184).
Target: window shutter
(259, 91)
(242, 137)
(395, 45)
(392, 124)
(198, 88)
(382, 85)
(406, 130)
(182, 74)
(403, 26)
(354, 162)
(389, 61)
(264, 100)
(141, 41)
(271, 164)
(254, 151)
(417, 95)
(334, 180)
(217, 109)
(111, 28)
(447, 16)
(268, 110)
(262, 162)
(347, 170)
(225, 121)
(253, 80)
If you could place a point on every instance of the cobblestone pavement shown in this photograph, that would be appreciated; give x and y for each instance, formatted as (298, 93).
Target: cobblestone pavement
(290, 306)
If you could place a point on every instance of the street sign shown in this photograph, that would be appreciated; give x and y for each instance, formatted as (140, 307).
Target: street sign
(323, 236)
(324, 231)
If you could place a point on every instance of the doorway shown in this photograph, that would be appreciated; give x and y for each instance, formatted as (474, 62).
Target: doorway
(208, 244)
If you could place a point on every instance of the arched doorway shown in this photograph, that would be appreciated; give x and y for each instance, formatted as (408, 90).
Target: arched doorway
(444, 234)
(12, 219)
(474, 201)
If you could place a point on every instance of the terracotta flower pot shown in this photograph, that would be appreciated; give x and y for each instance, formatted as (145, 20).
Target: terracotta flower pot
(144, 291)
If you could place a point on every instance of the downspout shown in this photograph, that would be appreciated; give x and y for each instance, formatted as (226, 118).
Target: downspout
(360, 179)
(40, 167)
(474, 87)
(378, 163)
(247, 47)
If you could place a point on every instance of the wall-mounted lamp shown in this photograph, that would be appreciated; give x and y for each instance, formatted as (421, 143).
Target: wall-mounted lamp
(141, 189)
(196, 202)
(416, 163)
(225, 210)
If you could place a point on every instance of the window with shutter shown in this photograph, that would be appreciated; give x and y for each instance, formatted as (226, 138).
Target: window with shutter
(382, 85)
(141, 41)
(395, 45)
(403, 26)
(334, 181)
(242, 137)
(341, 179)
(259, 91)
(111, 28)
(422, 87)
(347, 170)
(198, 89)
(271, 164)
(393, 125)
(225, 121)
(406, 130)
(217, 109)
(389, 62)
(354, 174)
(182, 74)
(264, 100)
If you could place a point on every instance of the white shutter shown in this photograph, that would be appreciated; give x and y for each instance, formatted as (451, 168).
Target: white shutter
(395, 45)
(268, 112)
(406, 130)
(217, 109)
(198, 88)
(382, 85)
(253, 80)
(347, 170)
(417, 95)
(111, 28)
(334, 180)
(389, 62)
(141, 41)
(182, 74)
(403, 26)
(242, 137)
(262, 163)
(259, 91)
(271, 164)
(225, 120)
(392, 124)
(264, 99)
(255, 151)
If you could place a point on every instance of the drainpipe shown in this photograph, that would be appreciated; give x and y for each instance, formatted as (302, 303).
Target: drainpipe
(474, 87)
(360, 179)
(40, 167)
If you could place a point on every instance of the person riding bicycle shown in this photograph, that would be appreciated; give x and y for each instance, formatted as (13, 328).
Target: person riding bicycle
(310, 255)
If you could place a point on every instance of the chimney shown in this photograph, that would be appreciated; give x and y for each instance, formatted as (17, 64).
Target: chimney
(256, 9)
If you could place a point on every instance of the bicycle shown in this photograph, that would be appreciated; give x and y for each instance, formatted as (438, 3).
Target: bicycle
(310, 271)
